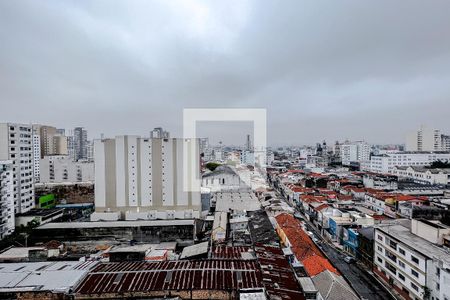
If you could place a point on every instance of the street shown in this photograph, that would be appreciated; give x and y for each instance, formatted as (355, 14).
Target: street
(364, 283)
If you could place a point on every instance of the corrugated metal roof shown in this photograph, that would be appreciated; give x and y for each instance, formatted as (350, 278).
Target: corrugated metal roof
(42, 276)
(171, 275)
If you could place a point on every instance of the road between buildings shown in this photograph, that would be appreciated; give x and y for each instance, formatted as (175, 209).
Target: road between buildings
(363, 282)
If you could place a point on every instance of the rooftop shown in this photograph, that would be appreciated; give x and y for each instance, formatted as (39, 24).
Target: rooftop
(149, 223)
(42, 276)
(195, 250)
(129, 277)
(418, 244)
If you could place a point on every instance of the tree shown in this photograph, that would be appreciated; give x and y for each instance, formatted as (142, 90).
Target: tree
(439, 164)
(212, 166)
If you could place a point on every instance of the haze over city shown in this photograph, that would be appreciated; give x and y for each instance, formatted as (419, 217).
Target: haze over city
(323, 70)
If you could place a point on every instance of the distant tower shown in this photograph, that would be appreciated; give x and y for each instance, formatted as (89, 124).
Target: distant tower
(248, 144)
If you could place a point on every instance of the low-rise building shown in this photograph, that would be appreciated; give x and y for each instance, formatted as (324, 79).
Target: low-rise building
(423, 175)
(62, 169)
(384, 163)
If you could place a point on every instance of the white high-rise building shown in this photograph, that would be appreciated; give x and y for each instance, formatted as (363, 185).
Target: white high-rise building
(425, 139)
(16, 144)
(445, 142)
(7, 224)
(354, 152)
(143, 178)
(36, 156)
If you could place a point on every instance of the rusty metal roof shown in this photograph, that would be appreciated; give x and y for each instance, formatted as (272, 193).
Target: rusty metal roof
(171, 275)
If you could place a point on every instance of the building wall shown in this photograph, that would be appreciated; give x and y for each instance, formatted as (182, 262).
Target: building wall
(403, 266)
(62, 169)
(354, 152)
(134, 174)
(16, 144)
(7, 224)
(425, 139)
(441, 177)
(385, 163)
(36, 156)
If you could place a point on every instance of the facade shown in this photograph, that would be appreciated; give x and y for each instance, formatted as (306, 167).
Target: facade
(426, 139)
(16, 144)
(385, 163)
(51, 141)
(80, 143)
(143, 178)
(46, 134)
(60, 146)
(36, 155)
(423, 175)
(62, 169)
(159, 133)
(354, 152)
(415, 267)
(247, 157)
(223, 178)
(90, 151)
(6, 199)
(445, 142)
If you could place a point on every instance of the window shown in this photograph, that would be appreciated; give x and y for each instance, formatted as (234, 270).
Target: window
(393, 245)
(401, 264)
(415, 259)
(390, 267)
(380, 237)
(401, 277)
(402, 252)
(415, 287)
(415, 273)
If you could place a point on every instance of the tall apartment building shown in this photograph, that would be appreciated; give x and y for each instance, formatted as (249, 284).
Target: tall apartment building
(354, 152)
(143, 178)
(7, 224)
(427, 139)
(46, 134)
(90, 151)
(410, 256)
(445, 142)
(80, 143)
(16, 144)
(52, 140)
(385, 163)
(36, 155)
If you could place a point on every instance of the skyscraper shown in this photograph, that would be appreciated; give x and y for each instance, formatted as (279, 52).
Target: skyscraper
(248, 143)
(80, 143)
(16, 144)
(425, 139)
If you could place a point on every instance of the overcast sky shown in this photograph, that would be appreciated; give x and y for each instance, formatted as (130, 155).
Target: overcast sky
(329, 70)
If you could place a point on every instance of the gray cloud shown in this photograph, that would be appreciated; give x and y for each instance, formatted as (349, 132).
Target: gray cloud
(324, 70)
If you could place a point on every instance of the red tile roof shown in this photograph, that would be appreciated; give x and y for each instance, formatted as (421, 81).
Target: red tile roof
(317, 264)
(303, 247)
(321, 207)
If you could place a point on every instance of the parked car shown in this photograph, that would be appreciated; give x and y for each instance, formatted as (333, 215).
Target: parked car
(349, 259)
